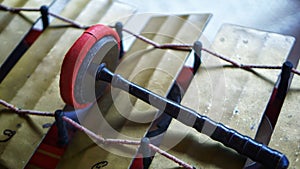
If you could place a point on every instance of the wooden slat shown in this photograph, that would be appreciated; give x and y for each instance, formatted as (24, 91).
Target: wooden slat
(286, 136)
(161, 76)
(85, 153)
(34, 56)
(50, 65)
(7, 17)
(39, 84)
(232, 96)
(11, 31)
(146, 66)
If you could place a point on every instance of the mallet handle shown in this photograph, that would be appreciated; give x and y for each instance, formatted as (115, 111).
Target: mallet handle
(217, 131)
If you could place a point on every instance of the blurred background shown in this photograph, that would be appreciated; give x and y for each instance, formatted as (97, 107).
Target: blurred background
(280, 16)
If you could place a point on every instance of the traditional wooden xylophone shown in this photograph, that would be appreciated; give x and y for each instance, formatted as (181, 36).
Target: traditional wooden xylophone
(35, 58)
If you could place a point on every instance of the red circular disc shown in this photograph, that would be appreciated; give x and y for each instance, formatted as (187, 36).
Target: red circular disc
(98, 44)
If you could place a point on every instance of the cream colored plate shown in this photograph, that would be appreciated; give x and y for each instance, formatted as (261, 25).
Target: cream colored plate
(237, 98)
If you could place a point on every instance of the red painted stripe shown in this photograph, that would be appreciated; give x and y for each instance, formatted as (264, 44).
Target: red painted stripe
(183, 80)
(32, 36)
(42, 161)
(137, 163)
(50, 146)
(185, 77)
(52, 149)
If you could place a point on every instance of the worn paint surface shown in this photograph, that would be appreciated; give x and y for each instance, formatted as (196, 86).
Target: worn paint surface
(33, 82)
(151, 68)
(235, 97)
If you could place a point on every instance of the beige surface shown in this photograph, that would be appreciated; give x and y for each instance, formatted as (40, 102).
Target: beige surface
(286, 135)
(153, 69)
(236, 98)
(10, 30)
(245, 93)
(33, 83)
